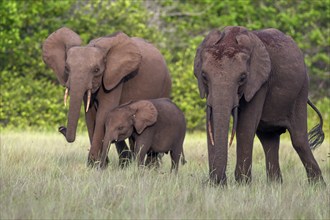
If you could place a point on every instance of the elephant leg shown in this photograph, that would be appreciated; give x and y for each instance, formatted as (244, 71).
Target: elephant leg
(90, 117)
(175, 158)
(125, 155)
(248, 121)
(244, 155)
(106, 104)
(95, 150)
(270, 143)
(140, 152)
(143, 146)
(299, 139)
(153, 159)
(131, 141)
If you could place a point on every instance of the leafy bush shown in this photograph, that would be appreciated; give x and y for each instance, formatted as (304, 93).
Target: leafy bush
(30, 93)
(306, 21)
(32, 97)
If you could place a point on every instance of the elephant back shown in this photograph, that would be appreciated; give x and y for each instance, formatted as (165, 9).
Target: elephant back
(152, 79)
(149, 52)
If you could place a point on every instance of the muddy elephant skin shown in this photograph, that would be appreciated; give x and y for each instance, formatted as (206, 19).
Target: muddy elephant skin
(260, 78)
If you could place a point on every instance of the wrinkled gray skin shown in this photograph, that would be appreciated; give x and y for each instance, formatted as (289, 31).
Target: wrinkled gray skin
(260, 78)
(111, 70)
(156, 125)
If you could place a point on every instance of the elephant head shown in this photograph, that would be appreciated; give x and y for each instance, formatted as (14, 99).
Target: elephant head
(229, 64)
(104, 62)
(122, 121)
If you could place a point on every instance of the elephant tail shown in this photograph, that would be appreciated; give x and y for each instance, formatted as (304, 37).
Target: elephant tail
(316, 134)
(183, 160)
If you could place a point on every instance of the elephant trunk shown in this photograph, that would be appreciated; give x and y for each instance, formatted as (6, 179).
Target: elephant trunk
(76, 98)
(218, 126)
(105, 149)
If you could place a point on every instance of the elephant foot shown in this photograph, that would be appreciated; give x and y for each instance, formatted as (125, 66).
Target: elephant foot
(124, 162)
(275, 179)
(218, 181)
(102, 166)
(125, 159)
(153, 160)
(90, 162)
(243, 179)
(317, 181)
(93, 163)
(243, 176)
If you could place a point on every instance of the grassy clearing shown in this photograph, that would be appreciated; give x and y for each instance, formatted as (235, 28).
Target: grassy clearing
(42, 176)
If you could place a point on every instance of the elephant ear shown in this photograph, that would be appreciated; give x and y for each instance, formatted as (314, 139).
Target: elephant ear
(145, 115)
(54, 51)
(123, 57)
(260, 64)
(211, 39)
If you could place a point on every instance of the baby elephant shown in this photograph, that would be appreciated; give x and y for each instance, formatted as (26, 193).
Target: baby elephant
(156, 125)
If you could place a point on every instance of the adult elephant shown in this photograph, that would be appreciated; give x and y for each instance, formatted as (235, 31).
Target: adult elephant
(260, 78)
(105, 73)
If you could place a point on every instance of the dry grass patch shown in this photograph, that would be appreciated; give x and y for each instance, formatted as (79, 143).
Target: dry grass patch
(42, 176)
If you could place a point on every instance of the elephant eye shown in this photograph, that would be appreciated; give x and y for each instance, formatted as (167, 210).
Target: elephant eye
(204, 77)
(242, 78)
(120, 128)
(67, 69)
(96, 70)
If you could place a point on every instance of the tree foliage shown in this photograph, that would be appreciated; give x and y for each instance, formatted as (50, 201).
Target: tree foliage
(32, 97)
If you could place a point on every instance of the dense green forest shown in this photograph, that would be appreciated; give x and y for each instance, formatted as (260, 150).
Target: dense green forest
(31, 96)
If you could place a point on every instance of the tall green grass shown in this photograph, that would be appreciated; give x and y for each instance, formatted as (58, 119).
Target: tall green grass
(42, 177)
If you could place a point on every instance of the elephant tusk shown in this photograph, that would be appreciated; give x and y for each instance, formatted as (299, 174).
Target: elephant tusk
(232, 137)
(89, 93)
(233, 130)
(209, 127)
(66, 95)
(210, 132)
